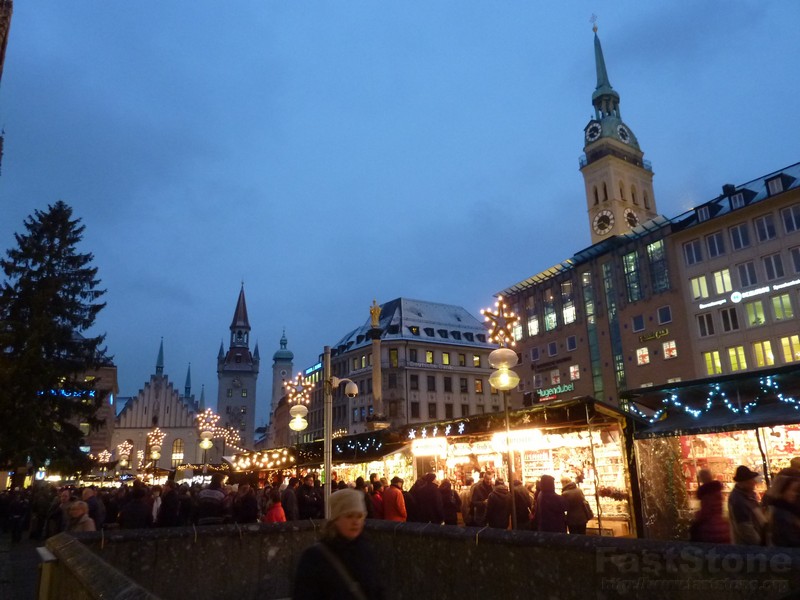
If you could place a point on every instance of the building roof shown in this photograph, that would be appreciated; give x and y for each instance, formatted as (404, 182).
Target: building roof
(406, 319)
(240, 320)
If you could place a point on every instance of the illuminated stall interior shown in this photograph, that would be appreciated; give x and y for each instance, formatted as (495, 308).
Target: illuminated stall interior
(716, 424)
(578, 438)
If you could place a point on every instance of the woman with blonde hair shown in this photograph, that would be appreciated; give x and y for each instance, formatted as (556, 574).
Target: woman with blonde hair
(79, 519)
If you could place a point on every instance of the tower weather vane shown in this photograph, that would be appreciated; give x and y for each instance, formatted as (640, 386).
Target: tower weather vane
(593, 21)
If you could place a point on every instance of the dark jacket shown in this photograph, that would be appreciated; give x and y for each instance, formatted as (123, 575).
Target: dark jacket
(784, 523)
(309, 503)
(169, 509)
(289, 503)
(498, 508)
(317, 578)
(522, 504)
(429, 502)
(480, 497)
(451, 504)
(573, 504)
(245, 508)
(550, 508)
(747, 520)
(136, 514)
(708, 524)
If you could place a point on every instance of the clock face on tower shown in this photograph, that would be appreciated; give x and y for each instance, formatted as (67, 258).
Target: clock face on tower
(593, 131)
(630, 218)
(603, 222)
(624, 134)
(283, 372)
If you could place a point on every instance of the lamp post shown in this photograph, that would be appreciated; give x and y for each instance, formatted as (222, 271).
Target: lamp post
(329, 384)
(103, 458)
(124, 453)
(206, 425)
(298, 394)
(504, 378)
(154, 439)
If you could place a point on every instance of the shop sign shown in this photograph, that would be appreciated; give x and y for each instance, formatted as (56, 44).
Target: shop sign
(429, 447)
(520, 439)
(738, 296)
(550, 393)
(655, 335)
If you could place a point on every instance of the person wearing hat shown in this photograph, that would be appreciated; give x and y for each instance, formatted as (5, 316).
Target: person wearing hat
(394, 505)
(342, 563)
(747, 520)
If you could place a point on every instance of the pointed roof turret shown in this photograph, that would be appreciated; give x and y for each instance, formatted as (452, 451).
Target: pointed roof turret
(283, 353)
(240, 320)
(202, 398)
(188, 387)
(256, 354)
(221, 353)
(604, 98)
(160, 359)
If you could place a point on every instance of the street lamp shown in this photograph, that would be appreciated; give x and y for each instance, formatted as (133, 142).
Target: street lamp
(103, 458)
(154, 439)
(206, 424)
(298, 394)
(504, 378)
(124, 453)
(351, 391)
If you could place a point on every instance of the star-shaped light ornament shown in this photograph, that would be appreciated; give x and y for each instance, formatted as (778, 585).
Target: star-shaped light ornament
(502, 323)
(298, 390)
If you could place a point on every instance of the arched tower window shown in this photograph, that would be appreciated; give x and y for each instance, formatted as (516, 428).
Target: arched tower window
(621, 192)
(177, 452)
(646, 201)
(596, 198)
(633, 195)
(605, 192)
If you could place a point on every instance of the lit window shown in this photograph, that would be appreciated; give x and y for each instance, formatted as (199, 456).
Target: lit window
(747, 274)
(630, 266)
(773, 266)
(699, 287)
(730, 319)
(782, 307)
(478, 385)
(755, 313)
(476, 360)
(659, 271)
(670, 349)
(737, 357)
(555, 377)
(693, 252)
(740, 236)
(462, 360)
(722, 281)
(642, 356)
(712, 362)
(568, 312)
(705, 324)
(516, 331)
(393, 361)
(445, 358)
(765, 228)
(791, 348)
(429, 357)
(575, 372)
(533, 325)
(664, 315)
(177, 452)
(244, 392)
(715, 244)
(763, 354)
(550, 317)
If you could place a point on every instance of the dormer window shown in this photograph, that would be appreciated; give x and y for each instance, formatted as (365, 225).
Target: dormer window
(429, 331)
(702, 213)
(456, 335)
(442, 333)
(414, 330)
(775, 186)
(469, 337)
(737, 200)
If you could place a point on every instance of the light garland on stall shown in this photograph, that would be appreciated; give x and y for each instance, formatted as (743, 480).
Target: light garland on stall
(263, 459)
(768, 386)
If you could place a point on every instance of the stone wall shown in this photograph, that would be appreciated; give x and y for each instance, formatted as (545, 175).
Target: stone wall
(426, 561)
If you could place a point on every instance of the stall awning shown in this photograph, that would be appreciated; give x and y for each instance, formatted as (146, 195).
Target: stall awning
(720, 419)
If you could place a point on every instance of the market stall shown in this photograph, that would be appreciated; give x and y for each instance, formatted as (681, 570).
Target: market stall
(579, 438)
(715, 424)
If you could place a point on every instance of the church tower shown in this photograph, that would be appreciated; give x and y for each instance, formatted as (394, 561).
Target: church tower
(237, 373)
(282, 363)
(619, 183)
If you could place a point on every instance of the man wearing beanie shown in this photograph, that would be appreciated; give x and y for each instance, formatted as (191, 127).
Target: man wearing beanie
(341, 564)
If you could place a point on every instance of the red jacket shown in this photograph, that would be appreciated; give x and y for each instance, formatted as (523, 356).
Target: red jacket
(274, 514)
(709, 525)
(394, 506)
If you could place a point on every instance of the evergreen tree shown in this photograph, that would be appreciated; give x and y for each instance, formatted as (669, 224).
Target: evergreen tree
(48, 299)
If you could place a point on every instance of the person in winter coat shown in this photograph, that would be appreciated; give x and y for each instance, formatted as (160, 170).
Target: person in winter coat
(79, 519)
(784, 510)
(465, 495)
(275, 513)
(522, 504)
(747, 520)
(428, 499)
(289, 500)
(135, 514)
(550, 507)
(498, 506)
(309, 500)
(344, 560)
(451, 503)
(708, 524)
(361, 486)
(480, 497)
(574, 503)
(245, 505)
(170, 507)
(377, 499)
(394, 505)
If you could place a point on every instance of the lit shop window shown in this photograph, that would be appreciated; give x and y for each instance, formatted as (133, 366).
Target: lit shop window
(755, 313)
(712, 362)
(633, 286)
(555, 377)
(791, 348)
(722, 281)
(737, 358)
(550, 317)
(659, 270)
(533, 325)
(782, 307)
(699, 287)
(574, 372)
(670, 349)
(642, 356)
(763, 353)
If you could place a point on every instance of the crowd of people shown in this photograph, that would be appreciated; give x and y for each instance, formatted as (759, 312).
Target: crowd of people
(773, 520)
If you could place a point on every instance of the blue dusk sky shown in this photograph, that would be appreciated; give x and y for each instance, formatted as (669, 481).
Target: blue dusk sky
(330, 152)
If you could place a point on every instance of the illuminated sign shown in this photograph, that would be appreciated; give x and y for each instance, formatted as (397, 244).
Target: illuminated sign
(429, 447)
(655, 335)
(738, 296)
(552, 392)
(310, 370)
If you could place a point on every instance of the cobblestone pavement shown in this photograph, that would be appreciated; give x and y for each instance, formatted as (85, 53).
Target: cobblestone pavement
(19, 568)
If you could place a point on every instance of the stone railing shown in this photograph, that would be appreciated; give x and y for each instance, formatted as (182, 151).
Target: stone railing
(416, 561)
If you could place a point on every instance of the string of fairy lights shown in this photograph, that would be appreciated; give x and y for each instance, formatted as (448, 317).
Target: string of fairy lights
(209, 428)
(768, 388)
